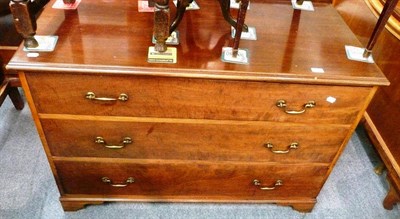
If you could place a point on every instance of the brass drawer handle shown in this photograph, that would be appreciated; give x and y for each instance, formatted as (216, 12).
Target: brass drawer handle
(92, 96)
(125, 141)
(257, 183)
(126, 183)
(293, 145)
(282, 104)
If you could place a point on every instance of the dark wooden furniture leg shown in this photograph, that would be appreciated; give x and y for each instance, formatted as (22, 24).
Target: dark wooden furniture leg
(3, 88)
(9, 84)
(392, 196)
(12, 92)
(16, 98)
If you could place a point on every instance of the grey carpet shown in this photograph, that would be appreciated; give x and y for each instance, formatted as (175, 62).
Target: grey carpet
(28, 190)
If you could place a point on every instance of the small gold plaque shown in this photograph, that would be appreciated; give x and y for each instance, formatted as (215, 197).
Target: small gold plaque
(168, 56)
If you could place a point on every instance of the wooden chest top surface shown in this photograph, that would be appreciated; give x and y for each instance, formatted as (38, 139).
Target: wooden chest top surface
(113, 37)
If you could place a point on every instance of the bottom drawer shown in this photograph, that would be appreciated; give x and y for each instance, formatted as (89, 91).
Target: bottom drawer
(195, 179)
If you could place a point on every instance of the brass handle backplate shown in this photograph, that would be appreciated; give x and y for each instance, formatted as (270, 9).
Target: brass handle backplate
(282, 104)
(125, 141)
(257, 183)
(92, 96)
(128, 181)
(293, 145)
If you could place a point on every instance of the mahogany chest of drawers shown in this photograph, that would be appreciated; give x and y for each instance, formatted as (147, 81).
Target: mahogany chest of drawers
(116, 128)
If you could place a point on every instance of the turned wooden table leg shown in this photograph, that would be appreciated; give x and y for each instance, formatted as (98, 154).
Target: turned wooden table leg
(392, 196)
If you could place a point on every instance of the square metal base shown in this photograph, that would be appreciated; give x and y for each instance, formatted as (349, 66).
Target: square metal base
(306, 6)
(356, 54)
(46, 44)
(241, 58)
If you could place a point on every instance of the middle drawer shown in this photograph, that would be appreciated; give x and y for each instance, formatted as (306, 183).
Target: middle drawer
(194, 140)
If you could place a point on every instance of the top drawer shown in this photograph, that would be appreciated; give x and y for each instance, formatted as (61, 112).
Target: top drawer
(193, 98)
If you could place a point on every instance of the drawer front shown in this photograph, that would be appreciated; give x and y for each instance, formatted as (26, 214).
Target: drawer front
(194, 98)
(189, 179)
(216, 140)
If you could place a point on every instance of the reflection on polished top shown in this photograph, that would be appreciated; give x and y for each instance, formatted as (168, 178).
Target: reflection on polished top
(112, 36)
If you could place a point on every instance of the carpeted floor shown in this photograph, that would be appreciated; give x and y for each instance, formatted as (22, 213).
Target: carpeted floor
(28, 190)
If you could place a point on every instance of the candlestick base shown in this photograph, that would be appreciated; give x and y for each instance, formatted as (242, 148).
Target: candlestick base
(357, 54)
(305, 6)
(46, 44)
(169, 56)
(242, 56)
